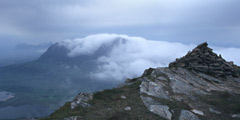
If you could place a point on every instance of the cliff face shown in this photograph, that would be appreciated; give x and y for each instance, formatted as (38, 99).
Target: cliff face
(198, 86)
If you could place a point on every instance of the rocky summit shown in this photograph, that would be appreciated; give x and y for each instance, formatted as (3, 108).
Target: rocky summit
(203, 59)
(198, 86)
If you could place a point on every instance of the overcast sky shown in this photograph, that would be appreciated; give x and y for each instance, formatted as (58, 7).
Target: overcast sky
(184, 21)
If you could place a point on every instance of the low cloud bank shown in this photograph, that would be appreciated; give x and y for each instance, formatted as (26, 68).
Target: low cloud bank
(130, 56)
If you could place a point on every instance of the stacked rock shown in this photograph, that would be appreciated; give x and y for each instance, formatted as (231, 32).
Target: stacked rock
(203, 59)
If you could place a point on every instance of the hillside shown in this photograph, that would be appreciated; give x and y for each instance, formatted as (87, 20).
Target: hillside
(199, 86)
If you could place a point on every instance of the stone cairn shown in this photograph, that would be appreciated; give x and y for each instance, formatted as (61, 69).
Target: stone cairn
(203, 59)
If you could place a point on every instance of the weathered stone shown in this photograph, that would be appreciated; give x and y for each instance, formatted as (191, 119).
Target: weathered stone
(195, 50)
(216, 64)
(148, 72)
(162, 78)
(81, 100)
(73, 118)
(236, 115)
(153, 89)
(127, 108)
(197, 112)
(202, 59)
(207, 54)
(123, 97)
(187, 115)
(182, 64)
(156, 108)
(161, 110)
(214, 111)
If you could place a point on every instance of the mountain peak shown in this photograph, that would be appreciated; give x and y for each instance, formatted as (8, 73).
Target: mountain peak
(203, 59)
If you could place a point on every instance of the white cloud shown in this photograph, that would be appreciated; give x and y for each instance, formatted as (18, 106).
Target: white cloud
(229, 54)
(185, 21)
(132, 55)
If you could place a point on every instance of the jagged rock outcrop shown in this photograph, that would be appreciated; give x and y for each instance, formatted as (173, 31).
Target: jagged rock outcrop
(203, 59)
(199, 73)
(81, 100)
(156, 108)
(187, 115)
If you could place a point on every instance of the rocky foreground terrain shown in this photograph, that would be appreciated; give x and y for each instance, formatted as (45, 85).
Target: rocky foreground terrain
(198, 86)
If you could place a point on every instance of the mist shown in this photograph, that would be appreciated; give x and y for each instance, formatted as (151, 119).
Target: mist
(16, 53)
(130, 56)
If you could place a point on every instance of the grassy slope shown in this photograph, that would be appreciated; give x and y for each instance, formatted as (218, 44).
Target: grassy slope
(108, 105)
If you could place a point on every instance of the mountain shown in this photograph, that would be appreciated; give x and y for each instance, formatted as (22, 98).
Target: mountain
(40, 86)
(22, 52)
(199, 86)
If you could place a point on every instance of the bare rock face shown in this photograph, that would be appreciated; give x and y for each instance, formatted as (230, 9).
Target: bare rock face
(214, 111)
(73, 118)
(81, 100)
(236, 115)
(187, 115)
(156, 108)
(203, 59)
(154, 89)
(201, 80)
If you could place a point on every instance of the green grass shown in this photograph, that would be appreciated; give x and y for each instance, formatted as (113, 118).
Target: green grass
(225, 102)
(108, 105)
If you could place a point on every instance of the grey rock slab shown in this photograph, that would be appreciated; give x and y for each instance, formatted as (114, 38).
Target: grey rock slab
(161, 110)
(81, 100)
(187, 115)
(236, 115)
(156, 108)
(197, 112)
(153, 89)
(73, 118)
(214, 111)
